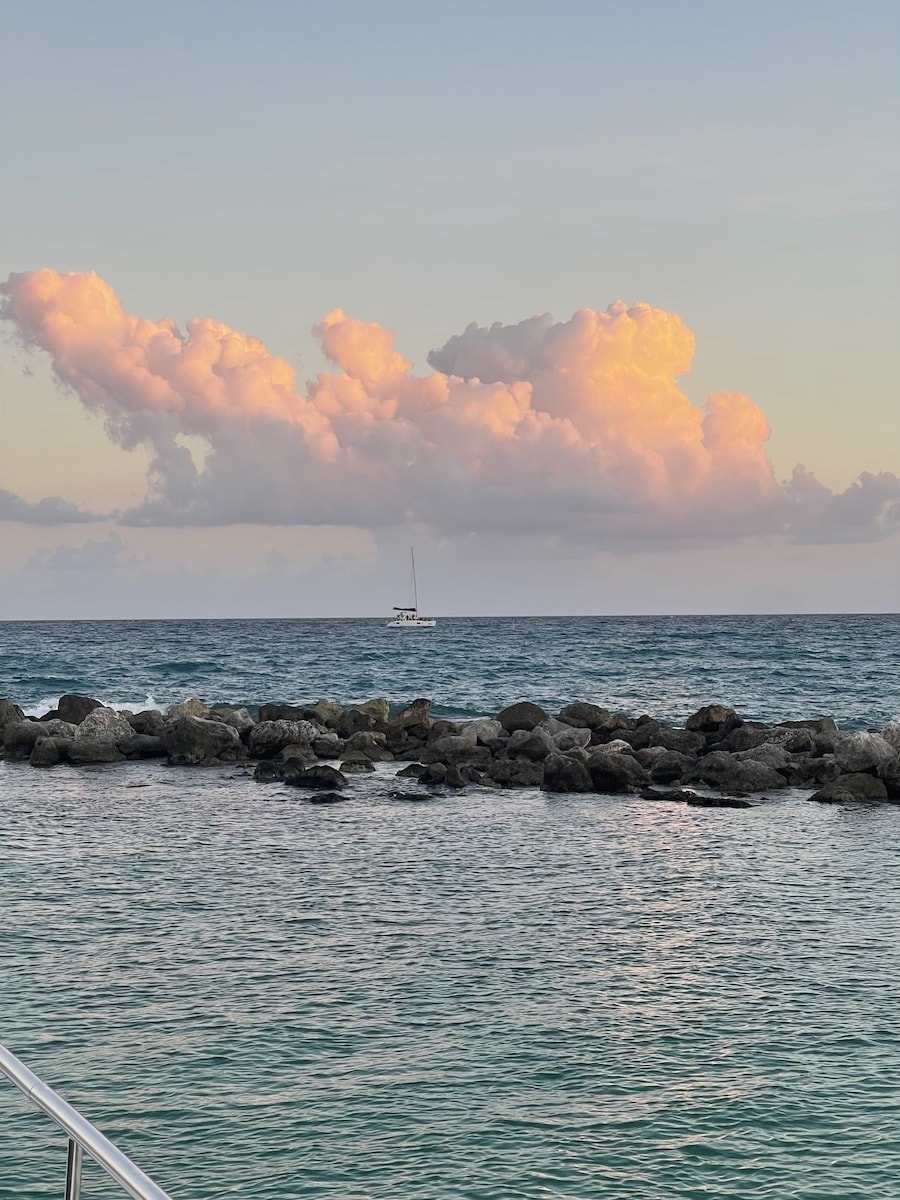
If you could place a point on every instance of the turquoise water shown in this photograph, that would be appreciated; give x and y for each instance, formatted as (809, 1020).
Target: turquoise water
(482, 995)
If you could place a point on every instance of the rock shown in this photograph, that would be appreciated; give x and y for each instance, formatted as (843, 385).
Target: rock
(586, 716)
(769, 753)
(849, 788)
(698, 800)
(48, 751)
(319, 778)
(297, 753)
(378, 709)
(237, 718)
(615, 773)
(188, 708)
(282, 712)
(327, 745)
(353, 720)
(794, 741)
(523, 715)
(103, 725)
(359, 765)
(434, 774)
(483, 730)
(266, 738)
(59, 729)
(325, 798)
(413, 771)
(19, 737)
(85, 750)
(618, 746)
(535, 744)
(890, 733)
(372, 745)
(566, 737)
(681, 740)
(670, 767)
(728, 773)
(75, 708)
(744, 737)
(515, 773)
(890, 776)
(273, 770)
(564, 774)
(713, 718)
(416, 715)
(326, 712)
(195, 741)
(142, 745)
(456, 748)
(149, 722)
(856, 752)
(10, 714)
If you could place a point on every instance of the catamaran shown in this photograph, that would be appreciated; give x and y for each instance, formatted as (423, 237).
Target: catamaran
(408, 617)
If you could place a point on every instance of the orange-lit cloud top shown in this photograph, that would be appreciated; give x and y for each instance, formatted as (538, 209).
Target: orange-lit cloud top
(577, 428)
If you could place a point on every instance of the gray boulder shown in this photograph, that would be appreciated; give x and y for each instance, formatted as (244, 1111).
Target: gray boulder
(482, 729)
(10, 714)
(75, 708)
(456, 748)
(369, 743)
(682, 740)
(862, 752)
(103, 725)
(237, 718)
(149, 722)
(523, 715)
(319, 777)
(266, 738)
(728, 773)
(142, 745)
(514, 773)
(769, 753)
(565, 774)
(416, 715)
(188, 708)
(282, 712)
(794, 741)
(357, 764)
(890, 733)
(19, 737)
(49, 751)
(535, 744)
(670, 767)
(565, 737)
(327, 745)
(586, 716)
(847, 789)
(85, 750)
(326, 712)
(615, 773)
(378, 709)
(194, 741)
(712, 718)
(353, 720)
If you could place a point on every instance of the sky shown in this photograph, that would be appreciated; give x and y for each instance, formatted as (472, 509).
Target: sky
(595, 304)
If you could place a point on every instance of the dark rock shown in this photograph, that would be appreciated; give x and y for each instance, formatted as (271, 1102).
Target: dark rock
(327, 745)
(794, 741)
(371, 744)
(267, 738)
(847, 789)
(862, 752)
(698, 800)
(564, 774)
(456, 776)
(326, 712)
(51, 715)
(149, 722)
(142, 745)
(194, 741)
(614, 773)
(586, 716)
(680, 740)
(75, 708)
(713, 718)
(514, 773)
(565, 737)
(378, 709)
(727, 772)
(416, 715)
(397, 794)
(319, 777)
(523, 715)
(744, 737)
(195, 707)
(670, 766)
(46, 751)
(282, 712)
(353, 720)
(456, 748)
(536, 744)
(325, 798)
(484, 730)
(19, 737)
(237, 718)
(10, 714)
(85, 750)
(358, 765)
(434, 774)
(413, 771)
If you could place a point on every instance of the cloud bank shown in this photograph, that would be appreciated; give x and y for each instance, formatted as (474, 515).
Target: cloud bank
(49, 511)
(104, 555)
(577, 429)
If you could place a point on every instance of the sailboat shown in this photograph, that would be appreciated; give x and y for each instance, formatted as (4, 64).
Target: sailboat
(408, 617)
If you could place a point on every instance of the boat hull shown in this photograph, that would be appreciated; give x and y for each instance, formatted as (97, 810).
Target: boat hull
(412, 623)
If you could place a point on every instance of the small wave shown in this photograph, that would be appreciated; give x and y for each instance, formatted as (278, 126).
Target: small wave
(186, 667)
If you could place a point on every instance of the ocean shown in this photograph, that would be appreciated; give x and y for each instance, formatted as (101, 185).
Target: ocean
(480, 995)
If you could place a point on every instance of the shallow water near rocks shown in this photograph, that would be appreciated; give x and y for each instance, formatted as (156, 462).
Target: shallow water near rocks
(483, 994)
(480, 995)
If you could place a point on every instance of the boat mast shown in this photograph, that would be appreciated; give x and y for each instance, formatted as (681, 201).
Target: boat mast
(412, 559)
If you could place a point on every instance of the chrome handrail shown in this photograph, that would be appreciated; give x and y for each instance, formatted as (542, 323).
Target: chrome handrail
(84, 1138)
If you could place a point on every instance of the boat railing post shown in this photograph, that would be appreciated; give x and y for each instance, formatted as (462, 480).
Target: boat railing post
(73, 1170)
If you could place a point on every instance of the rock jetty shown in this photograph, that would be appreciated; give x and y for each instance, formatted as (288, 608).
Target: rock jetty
(715, 759)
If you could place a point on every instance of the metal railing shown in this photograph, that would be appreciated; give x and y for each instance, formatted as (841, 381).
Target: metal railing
(83, 1137)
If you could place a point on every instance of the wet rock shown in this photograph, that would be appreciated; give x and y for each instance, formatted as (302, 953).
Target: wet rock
(891, 734)
(413, 771)
(357, 765)
(712, 718)
(455, 748)
(325, 798)
(10, 714)
(149, 722)
(237, 718)
(523, 715)
(744, 737)
(728, 773)
(794, 741)
(49, 751)
(195, 707)
(378, 709)
(194, 741)
(565, 737)
(74, 708)
(86, 750)
(698, 800)
(847, 789)
(281, 712)
(326, 712)
(670, 767)
(586, 716)
(535, 744)
(862, 752)
(618, 746)
(769, 753)
(319, 777)
(514, 773)
(680, 740)
(142, 745)
(353, 720)
(103, 725)
(19, 737)
(565, 774)
(266, 738)
(327, 745)
(484, 730)
(297, 753)
(371, 744)
(615, 773)
(416, 715)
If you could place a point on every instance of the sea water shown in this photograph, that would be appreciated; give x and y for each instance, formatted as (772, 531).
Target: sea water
(469, 995)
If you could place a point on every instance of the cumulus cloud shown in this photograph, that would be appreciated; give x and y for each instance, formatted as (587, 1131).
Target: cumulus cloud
(576, 428)
(104, 555)
(49, 511)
